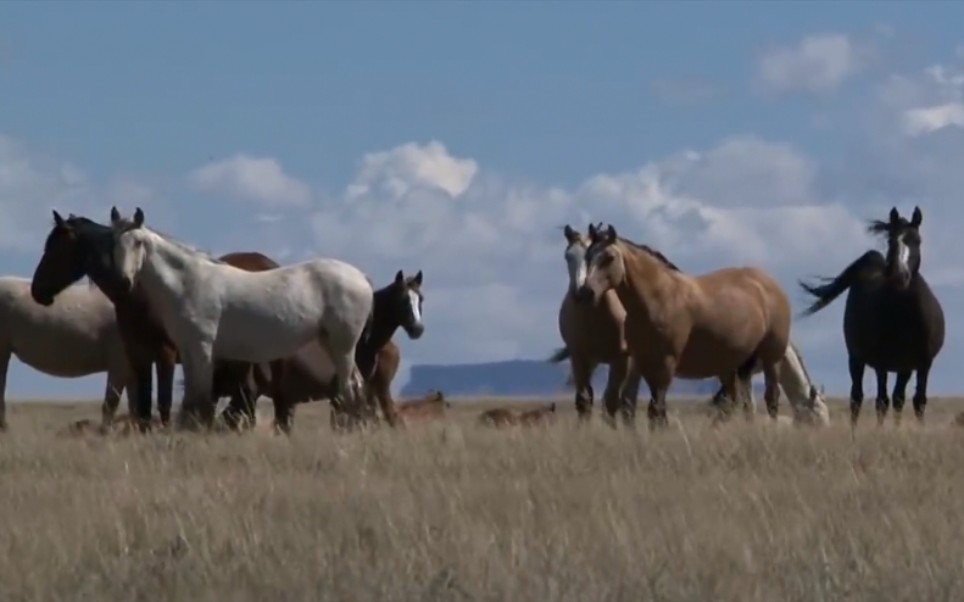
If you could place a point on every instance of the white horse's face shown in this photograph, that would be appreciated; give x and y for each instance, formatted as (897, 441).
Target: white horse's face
(412, 299)
(130, 246)
(575, 255)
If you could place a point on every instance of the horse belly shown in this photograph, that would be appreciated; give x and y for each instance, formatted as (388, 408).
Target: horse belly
(255, 338)
(63, 354)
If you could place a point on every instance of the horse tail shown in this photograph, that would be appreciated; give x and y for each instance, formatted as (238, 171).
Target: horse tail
(834, 287)
(365, 354)
(559, 355)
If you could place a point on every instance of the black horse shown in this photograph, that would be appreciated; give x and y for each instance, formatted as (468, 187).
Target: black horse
(892, 321)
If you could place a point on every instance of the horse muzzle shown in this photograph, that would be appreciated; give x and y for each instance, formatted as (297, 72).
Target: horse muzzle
(585, 295)
(42, 298)
(415, 331)
(127, 284)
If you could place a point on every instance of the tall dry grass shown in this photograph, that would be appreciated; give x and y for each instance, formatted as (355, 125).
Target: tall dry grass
(456, 511)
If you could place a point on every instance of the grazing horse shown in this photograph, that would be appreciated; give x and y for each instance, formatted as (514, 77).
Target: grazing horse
(75, 337)
(539, 416)
(505, 417)
(211, 309)
(807, 402)
(892, 321)
(593, 335)
(431, 407)
(78, 247)
(719, 324)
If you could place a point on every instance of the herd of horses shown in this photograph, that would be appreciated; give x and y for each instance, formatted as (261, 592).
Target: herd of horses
(243, 326)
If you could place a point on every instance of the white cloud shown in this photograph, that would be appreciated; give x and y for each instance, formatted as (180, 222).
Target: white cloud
(413, 167)
(924, 120)
(259, 179)
(819, 63)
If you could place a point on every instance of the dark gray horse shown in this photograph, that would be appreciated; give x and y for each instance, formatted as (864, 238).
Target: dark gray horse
(892, 321)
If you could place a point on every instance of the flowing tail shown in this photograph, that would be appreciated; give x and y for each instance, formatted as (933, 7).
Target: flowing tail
(560, 355)
(831, 288)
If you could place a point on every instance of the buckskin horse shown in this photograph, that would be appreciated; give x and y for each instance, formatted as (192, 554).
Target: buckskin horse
(719, 324)
(593, 333)
(892, 322)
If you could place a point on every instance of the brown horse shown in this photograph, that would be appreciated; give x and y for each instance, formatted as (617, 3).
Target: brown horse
(78, 247)
(505, 417)
(431, 407)
(720, 324)
(593, 335)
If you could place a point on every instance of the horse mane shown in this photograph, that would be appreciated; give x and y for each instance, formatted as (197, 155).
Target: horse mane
(652, 253)
(183, 246)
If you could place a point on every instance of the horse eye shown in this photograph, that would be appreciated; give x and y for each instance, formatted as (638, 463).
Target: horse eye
(606, 260)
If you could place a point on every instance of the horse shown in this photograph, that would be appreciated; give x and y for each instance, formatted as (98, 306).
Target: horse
(78, 247)
(498, 417)
(593, 335)
(892, 321)
(505, 417)
(807, 402)
(541, 416)
(719, 324)
(431, 407)
(213, 310)
(308, 373)
(77, 336)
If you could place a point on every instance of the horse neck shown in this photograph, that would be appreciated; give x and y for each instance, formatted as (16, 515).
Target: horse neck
(382, 327)
(163, 268)
(794, 379)
(643, 288)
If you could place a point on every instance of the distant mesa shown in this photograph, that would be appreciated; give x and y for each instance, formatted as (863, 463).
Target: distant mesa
(528, 378)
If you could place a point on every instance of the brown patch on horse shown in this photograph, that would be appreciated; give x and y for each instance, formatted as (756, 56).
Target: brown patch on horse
(718, 324)
(431, 407)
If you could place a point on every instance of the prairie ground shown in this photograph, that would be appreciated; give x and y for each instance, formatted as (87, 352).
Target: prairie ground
(456, 511)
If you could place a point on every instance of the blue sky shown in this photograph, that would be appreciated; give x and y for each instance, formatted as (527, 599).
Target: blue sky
(458, 137)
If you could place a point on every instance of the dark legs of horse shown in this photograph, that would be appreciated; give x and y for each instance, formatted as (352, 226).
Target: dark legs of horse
(856, 389)
(283, 410)
(612, 399)
(629, 395)
(165, 388)
(656, 411)
(900, 394)
(582, 378)
(920, 392)
(144, 384)
(883, 402)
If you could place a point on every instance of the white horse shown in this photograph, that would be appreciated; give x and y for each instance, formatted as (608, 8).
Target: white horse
(74, 336)
(808, 404)
(211, 309)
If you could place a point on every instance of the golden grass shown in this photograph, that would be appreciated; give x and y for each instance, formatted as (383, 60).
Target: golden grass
(454, 511)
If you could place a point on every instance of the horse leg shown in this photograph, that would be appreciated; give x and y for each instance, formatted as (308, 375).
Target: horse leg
(629, 394)
(744, 384)
(856, 388)
(725, 399)
(164, 369)
(348, 386)
(4, 366)
(920, 393)
(611, 398)
(582, 375)
(771, 384)
(283, 414)
(197, 363)
(659, 381)
(112, 394)
(144, 382)
(883, 401)
(900, 394)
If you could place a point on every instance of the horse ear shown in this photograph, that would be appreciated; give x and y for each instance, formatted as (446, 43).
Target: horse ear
(114, 214)
(570, 233)
(894, 216)
(58, 221)
(915, 220)
(593, 233)
(611, 233)
(138, 218)
(418, 278)
(399, 278)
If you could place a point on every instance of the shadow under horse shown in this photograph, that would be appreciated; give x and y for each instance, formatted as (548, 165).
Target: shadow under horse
(892, 321)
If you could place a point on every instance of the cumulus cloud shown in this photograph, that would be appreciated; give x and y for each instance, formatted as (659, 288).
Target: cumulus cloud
(258, 179)
(819, 63)
(412, 167)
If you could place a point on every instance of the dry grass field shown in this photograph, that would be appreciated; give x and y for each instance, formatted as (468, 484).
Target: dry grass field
(455, 511)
